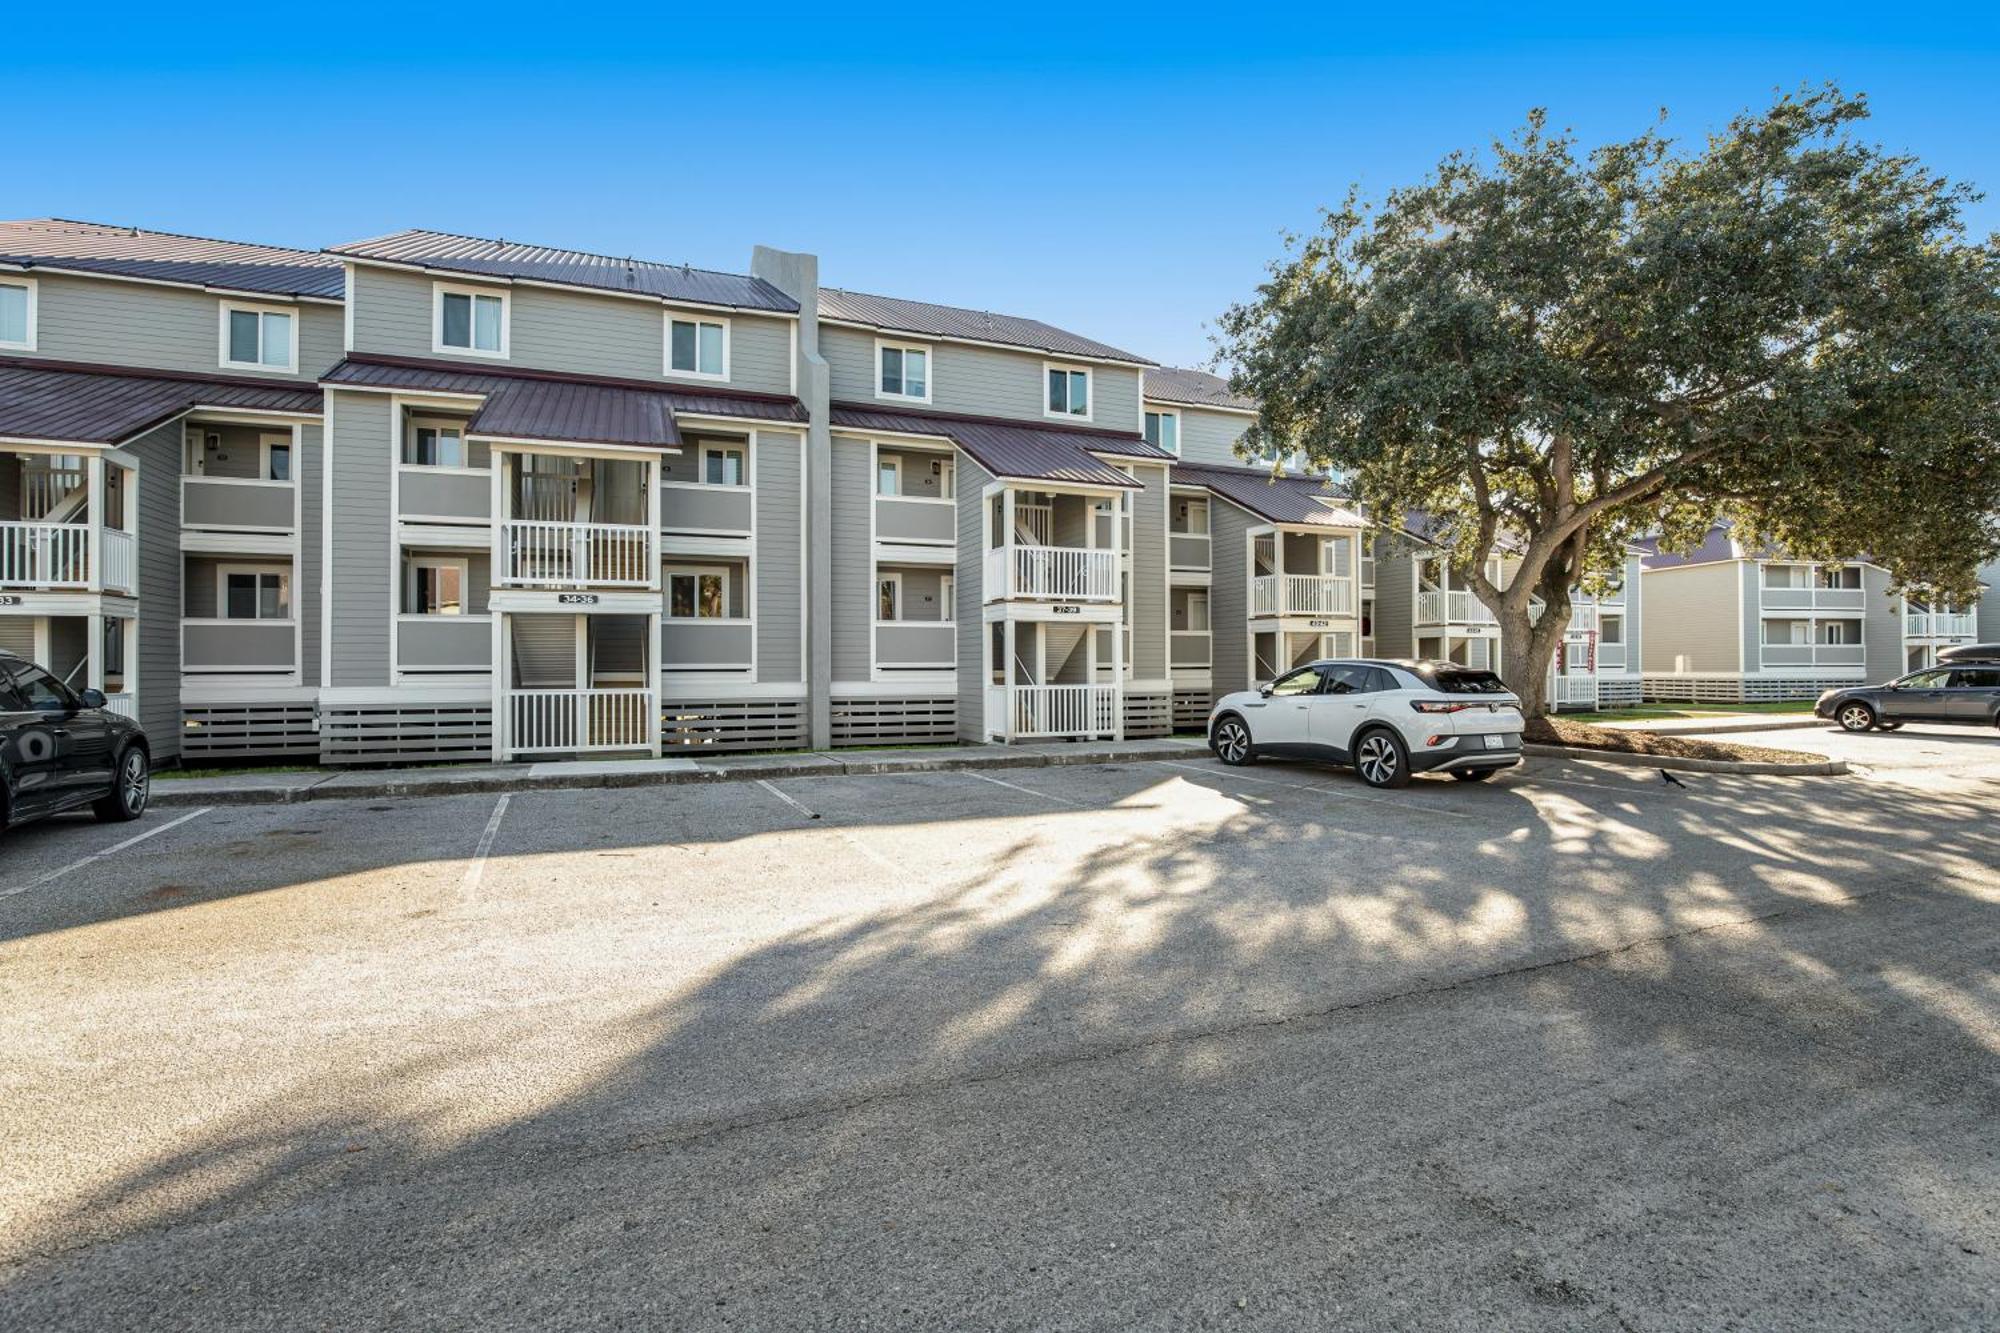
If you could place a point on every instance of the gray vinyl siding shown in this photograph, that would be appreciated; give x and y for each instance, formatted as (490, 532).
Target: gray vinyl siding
(972, 479)
(979, 381)
(358, 463)
(1881, 626)
(1749, 582)
(571, 331)
(1207, 437)
(1395, 597)
(311, 472)
(780, 576)
(1228, 598)
(1690, 611)
(1149, 575)
(162, 328)
(853, 559)
(159, 657)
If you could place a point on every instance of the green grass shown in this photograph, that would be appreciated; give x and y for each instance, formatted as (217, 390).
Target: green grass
(1652, 712)
(168, 774)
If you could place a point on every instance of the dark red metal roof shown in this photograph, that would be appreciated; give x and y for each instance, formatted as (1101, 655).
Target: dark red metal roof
(78, 404)
(564, 409)
(1292, 498)
(1013, 448)
(948, 321)
(158, 256)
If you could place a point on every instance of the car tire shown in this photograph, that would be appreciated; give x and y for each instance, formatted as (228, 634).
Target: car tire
(1231, 742)
(1381, 758)
(1473, 774)
(1854, 716)
(131, 789)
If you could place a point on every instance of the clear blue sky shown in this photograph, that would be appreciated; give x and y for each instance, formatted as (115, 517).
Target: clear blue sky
(1125, 173)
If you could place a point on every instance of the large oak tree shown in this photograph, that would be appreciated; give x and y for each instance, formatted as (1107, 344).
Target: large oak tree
(1553, 352)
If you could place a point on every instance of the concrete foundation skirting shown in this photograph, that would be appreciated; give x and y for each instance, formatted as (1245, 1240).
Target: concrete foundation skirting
(1807, 768)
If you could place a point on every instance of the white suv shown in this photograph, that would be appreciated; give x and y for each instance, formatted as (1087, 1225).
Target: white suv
(1388, 719)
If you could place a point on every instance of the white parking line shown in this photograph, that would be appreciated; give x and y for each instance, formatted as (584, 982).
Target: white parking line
(786, 799)
(108, 851)
(468, 888)
(1025, 791)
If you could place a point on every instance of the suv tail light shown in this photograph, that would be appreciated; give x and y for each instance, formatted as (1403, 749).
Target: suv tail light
(1440, 706)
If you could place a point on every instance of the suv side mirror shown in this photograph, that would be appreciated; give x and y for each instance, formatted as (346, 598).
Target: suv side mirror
(92, 698)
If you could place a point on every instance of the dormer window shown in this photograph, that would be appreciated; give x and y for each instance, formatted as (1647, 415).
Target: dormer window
(470, 321)
(1163, 431)
(1069, 393)
(256, 337)
(903, 371)
(698, 347)
(17, 314)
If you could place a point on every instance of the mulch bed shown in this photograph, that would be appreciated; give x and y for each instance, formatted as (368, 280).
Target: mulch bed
(1562, 731)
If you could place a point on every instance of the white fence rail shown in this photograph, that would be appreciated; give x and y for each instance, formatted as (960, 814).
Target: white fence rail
(1070, 573)
(578, 554)
(1938, 625)
(1064, 710)
(573, 721)
(44, 555)
(1575, 691)
(125, 705)
(1452, 608)
(121, 560)
(1301, 595)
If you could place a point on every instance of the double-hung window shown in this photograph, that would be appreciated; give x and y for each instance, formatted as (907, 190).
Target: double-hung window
(698, 347)
(471, 321)
(254, 594)
(1163, 431)
(1069, 393)
(17, 314)
(259, 338)
(431, 443)
(1611, 629)
(903, 371)
(698, 594)
(722, 466)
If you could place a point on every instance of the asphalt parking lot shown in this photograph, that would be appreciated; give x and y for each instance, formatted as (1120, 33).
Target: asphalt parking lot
(1138, 1045)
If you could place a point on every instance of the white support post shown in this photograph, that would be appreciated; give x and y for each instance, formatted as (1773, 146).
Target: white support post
(502, 682)
(653, 679)
(1007, 645)
(93, 656)
(94, 473)
(1118, 680)
(655, 471)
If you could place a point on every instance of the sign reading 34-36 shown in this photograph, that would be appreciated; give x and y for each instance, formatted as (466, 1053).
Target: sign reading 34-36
(577, 599)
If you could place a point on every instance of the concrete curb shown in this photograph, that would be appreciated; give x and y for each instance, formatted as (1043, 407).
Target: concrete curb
(750, 768)
(1811, 768)
(1694, 727)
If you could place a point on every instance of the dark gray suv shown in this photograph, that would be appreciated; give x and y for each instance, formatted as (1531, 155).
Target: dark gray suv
(1963, 691)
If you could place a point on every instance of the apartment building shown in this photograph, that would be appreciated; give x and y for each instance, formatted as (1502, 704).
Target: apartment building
(1741, 620)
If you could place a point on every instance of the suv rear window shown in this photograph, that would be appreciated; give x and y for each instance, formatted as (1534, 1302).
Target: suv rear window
(1468, 682)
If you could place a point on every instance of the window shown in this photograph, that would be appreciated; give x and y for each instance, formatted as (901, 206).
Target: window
(1611, 629)
(1925, 680)
(903, 371)
(431, 443)
(469, 320)
(1303, 681)
(1163, 431)
(888, 475)
(254, 594)
(698, 594)
(258, 337)
(1787, 631)
(1194, 517)
(722, 466)
(1069, 393)
(1840, 631)
(1347, 679)
(698, 347)
(274, 457)
(17, 314)
(437, 587)
(1976, 678)
(1844, 576)
(1784, 576)
(889, 597)
(947, 598)
(42, 692)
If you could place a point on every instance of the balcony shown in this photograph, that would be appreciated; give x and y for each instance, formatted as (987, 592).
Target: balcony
(913, 645)
(57, 555)
(244, 647)
(1812, 599)
(537, 554)
(713, 644)
(696, 508)
(1045, 711)
(1065, 573)
(1454, 607)
(1189, 649)
(579, 721)
(1189, 550)
(1301, 595)
(1939, 625)
(444, 643)
(238, 504)
(443, 494)
(1814, 655)
(904, 519)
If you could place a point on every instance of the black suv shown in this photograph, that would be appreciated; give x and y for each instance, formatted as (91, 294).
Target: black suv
(1965, 688)
(60, 750)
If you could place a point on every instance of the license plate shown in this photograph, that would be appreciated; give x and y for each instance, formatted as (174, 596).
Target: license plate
(1496, 742)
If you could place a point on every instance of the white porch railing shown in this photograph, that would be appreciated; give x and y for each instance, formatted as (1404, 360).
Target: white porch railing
(1302, 595)
(125, 705)
(1454, 607)
(1575, 691)
(121, 560)
(578, 554)
(1938, 625)
(572, 721)
(1063, 710)
(44, 555)
(1071, 573)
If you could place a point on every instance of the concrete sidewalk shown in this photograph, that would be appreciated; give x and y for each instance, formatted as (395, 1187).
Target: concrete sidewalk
(276, 788)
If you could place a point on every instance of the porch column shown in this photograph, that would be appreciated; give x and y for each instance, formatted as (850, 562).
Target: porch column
(93, 656)
(1007, 646)
(93, 465)
(652, 656)
(653, 543)
(1117, 676)
(502, 680)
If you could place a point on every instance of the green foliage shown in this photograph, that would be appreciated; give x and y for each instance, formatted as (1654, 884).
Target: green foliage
(1787, 328)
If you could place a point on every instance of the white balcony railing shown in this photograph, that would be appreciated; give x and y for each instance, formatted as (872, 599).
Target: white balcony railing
(1575, 691)
(1455, 607)
(125, 705)
(1812, 599)
(1063, 710)
(1939, 625)
(44, 555)
(538, 553)
(573, 721)
(1068, 573)
(1301, 595)
(121, 560)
